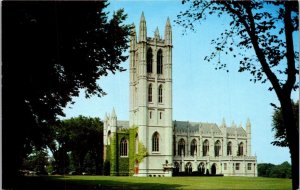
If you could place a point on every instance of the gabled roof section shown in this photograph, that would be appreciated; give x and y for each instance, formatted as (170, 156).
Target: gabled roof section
(239, 130)
(122, 124)
(196, 127)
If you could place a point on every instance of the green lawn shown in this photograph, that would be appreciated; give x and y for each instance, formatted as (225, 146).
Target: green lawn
(107, 182)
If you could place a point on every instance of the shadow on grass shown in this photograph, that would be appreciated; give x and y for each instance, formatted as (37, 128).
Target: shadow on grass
(63, 183)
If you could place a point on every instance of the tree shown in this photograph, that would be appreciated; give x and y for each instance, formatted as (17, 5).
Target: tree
(268, 28)
(281, 171)
(278, 171)
(77, 144)
(264, 169)
(52, 50)
(278, 125)
(37, 161)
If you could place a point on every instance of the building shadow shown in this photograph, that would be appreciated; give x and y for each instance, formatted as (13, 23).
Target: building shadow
(65, 183)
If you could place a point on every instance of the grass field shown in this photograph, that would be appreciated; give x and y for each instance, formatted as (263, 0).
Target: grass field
(107, 182)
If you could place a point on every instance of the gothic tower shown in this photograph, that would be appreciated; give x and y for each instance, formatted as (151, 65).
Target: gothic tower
(151, 97)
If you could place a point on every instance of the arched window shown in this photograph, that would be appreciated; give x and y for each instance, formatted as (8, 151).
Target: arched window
(205, 148)
(181, 147)
(155, 142)
(160, 94)
(217, 148)
(194, 147)
(201, 168)
(241, 151)
(159, 62)
(189, 168)
(160, 115)
(123, 147)
(108, 137)
(229, 149)
(150, 93)
(149, 60)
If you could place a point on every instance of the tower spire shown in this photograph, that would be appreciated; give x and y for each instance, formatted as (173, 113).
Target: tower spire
(168, 32)
(156, 34)
(143, 29)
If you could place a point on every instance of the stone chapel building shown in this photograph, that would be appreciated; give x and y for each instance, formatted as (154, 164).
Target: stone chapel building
(151, 143)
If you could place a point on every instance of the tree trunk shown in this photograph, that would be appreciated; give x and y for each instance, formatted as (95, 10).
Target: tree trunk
(292, 134)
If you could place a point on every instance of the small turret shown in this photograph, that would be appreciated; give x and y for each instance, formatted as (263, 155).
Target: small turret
(113, 119)
(223, 123)
(233, 124)
(132, 37)
(143, 29)
(248, 126)
(248, 130)
(156, 34)
(168, 33)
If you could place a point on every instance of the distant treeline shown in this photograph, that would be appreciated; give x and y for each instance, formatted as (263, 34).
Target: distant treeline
(271, 170)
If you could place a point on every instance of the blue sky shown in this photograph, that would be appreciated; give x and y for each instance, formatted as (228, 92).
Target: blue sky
(200, 93)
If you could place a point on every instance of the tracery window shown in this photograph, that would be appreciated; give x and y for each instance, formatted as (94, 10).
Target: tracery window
(194, 147)
(155, 142)
(229, 149)
(241, 149)
(181, 147)
(123, 147)
(149, 60)
(160, 94)
(150, 93)
(205, 148)
(217, 148)
(159, 62)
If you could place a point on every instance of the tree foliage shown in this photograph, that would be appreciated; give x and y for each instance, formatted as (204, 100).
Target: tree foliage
(77, 144)
(37, 161)
(51, 50)
(269, 29)
(277, 171)
(278, 125)
(253, 25)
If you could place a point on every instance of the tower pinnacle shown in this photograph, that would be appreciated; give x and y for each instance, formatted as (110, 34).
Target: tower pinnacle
(168, 33)
(143, 29)
(156, 33)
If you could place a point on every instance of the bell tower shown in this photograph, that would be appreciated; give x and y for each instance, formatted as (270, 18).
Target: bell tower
(151, 97)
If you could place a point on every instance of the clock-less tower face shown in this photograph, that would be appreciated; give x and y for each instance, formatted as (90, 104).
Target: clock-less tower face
(151, 95)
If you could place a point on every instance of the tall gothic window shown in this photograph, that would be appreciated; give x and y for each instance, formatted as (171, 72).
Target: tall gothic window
(159, 62)
(181, 147)
(194, 147)
(123, 147)
(160, 94)
(155, 142)
(150, 93)
(229, 149)
(217, 148)
(241, 151)
(205, 148)
(149, 60)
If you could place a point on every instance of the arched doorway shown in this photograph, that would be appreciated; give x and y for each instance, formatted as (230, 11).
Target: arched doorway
(188, 168)
(213, 169)
(176, 169)
(201, 168)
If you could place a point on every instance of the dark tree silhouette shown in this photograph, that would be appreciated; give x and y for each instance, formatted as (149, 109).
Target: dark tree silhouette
(269, 29)
(51, 50)
(278, 125)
